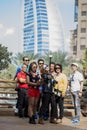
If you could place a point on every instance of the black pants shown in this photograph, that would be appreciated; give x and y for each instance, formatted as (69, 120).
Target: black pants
(23, 102)
(60, 102)
(48, 98)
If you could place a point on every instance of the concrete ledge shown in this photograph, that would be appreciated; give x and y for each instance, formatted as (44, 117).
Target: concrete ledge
(6, 112)
(10, 112)
(68, 112)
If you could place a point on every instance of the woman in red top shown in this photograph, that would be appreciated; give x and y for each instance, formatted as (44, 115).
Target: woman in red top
(33, 93)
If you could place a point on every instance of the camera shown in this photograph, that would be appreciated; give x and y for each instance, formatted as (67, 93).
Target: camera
(48, 77)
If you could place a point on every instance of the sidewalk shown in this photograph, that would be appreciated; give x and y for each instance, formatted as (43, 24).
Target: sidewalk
(16, 123)
(81, 125)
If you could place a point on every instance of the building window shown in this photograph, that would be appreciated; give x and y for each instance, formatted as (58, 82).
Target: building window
(82, 47)
(83, 13)
(74, 48)
(83, 30)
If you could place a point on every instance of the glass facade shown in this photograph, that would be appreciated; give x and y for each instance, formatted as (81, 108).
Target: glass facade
(28, 27)
(41, 27)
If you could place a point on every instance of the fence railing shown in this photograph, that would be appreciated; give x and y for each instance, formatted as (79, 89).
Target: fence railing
(8, 95)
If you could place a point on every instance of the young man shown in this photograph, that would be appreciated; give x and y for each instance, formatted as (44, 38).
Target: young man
(76, 86)
(52, 69)
(25, 62)
(23, 87)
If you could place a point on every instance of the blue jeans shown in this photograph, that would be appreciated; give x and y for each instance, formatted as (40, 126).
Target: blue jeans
(76, 102)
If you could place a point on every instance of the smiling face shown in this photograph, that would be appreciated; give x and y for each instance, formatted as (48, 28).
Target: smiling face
(26, 61)
(57, 69)
(34, 68)
(52, 67)
(74, 68)
(41, 63)
(24, 67)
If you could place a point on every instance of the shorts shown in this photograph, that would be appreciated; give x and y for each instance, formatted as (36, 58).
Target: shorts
(34, 92)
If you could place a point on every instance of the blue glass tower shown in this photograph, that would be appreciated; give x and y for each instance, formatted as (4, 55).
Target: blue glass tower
(41, 27)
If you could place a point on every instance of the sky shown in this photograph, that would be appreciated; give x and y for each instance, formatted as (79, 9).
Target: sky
(11, 21)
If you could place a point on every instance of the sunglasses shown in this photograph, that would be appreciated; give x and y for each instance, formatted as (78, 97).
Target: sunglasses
(41, 63)
(34, 66)
(57, 68)
(26, 60)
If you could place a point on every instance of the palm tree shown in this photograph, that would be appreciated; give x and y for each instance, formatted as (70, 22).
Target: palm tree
(57, 57)
(17, 60)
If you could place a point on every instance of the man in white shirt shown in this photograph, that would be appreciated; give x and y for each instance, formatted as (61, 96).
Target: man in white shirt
(76, 86)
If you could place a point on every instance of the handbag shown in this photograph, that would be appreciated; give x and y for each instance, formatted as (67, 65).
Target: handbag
(57, 92)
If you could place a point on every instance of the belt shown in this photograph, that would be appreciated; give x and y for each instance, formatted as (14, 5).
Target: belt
(24, 88)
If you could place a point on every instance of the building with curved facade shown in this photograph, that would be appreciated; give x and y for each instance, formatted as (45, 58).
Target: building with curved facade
(43, 30)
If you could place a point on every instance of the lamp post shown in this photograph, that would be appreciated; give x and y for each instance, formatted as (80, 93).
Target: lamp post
(50, 57)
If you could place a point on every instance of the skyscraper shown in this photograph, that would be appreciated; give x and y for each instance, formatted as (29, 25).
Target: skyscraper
(42, 27)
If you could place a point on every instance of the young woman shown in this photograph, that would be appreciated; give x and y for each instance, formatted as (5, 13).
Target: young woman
(60, 89)
(33, 92)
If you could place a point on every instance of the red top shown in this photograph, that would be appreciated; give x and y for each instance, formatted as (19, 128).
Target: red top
(22, 75)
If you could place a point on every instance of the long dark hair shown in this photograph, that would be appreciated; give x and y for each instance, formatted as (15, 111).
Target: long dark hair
(59, 66)
(30, 68)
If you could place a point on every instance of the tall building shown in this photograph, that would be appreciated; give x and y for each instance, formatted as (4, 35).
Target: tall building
(43, 30)
(80, 33)
(82, 28)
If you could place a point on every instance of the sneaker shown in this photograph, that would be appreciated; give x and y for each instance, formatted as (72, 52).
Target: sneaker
(36, 116)
(75, 121)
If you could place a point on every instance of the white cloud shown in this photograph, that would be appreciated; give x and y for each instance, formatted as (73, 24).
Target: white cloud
(4, 31)
(10, 37)
(65, 1)
(10, 31)
(67, 40)
(67, 44)
(1, 26)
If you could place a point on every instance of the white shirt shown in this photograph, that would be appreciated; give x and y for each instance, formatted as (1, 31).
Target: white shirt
(75, 79)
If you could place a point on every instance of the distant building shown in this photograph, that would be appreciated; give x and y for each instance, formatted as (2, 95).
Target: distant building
(80, 39)
(73, 46)
(82, 28)
(43, 30)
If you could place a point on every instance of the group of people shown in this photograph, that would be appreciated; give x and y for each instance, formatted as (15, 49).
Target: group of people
(41, 89)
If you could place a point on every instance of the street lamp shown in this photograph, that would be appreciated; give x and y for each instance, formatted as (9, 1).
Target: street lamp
(50, 57)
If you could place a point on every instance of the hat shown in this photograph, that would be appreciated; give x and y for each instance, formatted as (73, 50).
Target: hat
(75, 64)
(46, 67)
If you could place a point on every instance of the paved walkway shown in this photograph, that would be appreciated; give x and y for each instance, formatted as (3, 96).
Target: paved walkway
(15, 123)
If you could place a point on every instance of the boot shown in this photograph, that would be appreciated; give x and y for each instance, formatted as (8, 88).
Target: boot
(53, 120)
(31, 120)
(40, 121)
(20, 113)
(34, 119)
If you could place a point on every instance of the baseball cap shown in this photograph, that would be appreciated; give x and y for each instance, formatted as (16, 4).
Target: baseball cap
(75, 64)
(46, 66)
